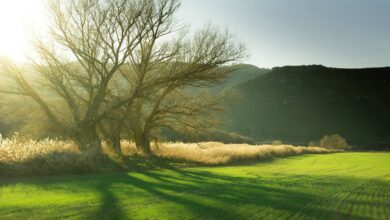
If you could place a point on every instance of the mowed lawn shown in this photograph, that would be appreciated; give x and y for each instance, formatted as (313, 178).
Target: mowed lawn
(331, 186)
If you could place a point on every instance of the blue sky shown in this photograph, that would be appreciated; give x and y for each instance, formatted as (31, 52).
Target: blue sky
(338, 33)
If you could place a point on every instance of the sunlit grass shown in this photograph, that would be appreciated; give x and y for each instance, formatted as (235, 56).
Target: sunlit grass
(332, 186)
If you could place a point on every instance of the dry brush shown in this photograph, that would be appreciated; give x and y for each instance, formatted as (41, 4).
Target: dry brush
(21, 156)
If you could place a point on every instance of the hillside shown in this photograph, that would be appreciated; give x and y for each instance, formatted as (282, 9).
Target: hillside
(242, 73)
(298, 104)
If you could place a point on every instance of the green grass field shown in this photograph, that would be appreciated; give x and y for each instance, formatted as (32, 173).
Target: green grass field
(332, 186)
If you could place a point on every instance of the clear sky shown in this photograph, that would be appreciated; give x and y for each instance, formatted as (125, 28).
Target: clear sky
(339, 33)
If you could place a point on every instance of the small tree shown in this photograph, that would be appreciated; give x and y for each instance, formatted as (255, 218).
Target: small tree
(334, 141)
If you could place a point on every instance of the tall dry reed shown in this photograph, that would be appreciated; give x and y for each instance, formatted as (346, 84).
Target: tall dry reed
(215, 153)
(21, 156)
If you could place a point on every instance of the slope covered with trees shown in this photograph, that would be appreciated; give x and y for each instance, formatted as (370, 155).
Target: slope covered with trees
(298, 104)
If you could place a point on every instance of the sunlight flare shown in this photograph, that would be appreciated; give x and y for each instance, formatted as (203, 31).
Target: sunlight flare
(19, 19)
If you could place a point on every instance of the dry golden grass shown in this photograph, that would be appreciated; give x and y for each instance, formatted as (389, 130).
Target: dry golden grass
(18, 149)
(215, 153)
(20, 156)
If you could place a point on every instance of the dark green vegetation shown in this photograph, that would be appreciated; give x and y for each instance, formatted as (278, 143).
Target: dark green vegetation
(298, 104)
(333, 186)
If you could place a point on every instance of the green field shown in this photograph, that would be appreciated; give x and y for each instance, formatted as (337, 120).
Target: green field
(332, 186)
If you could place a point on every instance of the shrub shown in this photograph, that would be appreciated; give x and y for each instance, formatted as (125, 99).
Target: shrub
(334, 141)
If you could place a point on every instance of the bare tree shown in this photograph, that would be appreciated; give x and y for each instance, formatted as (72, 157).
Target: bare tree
(91, 41)
(174, 110)
(117, 64)
(141, 74)
(169, 64)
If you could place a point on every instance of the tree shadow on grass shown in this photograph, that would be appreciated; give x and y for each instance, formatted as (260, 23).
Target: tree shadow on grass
(197, 194)
(206, 195)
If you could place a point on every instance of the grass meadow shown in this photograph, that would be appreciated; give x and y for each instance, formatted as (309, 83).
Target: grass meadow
(326, 186)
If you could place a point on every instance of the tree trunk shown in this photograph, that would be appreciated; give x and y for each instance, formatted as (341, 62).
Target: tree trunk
(142, 141)
(88, 140)
(115, 141)
(112, 134)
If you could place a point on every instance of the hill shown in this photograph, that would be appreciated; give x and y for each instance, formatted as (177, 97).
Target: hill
(241, 74)
(298, 104)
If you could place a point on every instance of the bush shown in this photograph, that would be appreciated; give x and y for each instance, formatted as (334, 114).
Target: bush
(334, 141)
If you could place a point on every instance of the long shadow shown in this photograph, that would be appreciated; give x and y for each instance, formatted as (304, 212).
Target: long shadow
(208, 195)
(239, 191)
(226, 193)
(110, 207)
